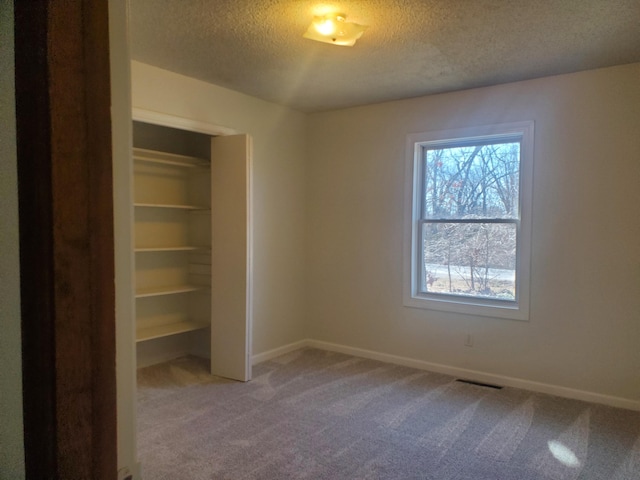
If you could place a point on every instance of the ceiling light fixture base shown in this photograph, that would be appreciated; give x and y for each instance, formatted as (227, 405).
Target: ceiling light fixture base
(334, 29)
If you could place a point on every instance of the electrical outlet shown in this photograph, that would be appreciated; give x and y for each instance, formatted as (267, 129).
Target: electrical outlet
(468, 341)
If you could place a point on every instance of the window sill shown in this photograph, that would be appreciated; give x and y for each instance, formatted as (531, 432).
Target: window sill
(471, 306)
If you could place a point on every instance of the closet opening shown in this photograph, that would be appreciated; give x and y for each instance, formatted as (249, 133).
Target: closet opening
(172, 232)
(192, 224)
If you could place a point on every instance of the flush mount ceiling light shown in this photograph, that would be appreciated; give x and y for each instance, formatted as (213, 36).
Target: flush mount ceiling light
(334, 28)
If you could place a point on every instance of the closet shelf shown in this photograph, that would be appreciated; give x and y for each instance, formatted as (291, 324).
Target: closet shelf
(172, 159)
(162, 205)
(182, 248)
(168, 290)
(159, 331)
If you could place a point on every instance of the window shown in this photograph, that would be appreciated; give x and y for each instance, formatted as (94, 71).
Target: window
(468, 220)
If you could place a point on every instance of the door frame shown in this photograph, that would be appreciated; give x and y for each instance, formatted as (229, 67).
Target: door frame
(65, 197)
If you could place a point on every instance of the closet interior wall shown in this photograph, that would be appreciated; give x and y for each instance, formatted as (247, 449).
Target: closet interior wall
(172, 243)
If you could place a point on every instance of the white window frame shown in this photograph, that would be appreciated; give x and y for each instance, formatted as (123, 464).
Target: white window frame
(516, 310)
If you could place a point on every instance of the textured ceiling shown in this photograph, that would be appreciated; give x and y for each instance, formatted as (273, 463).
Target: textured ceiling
(411, 47)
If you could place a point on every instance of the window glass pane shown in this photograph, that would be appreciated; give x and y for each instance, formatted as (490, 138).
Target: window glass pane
(471, 259)
(478, 181)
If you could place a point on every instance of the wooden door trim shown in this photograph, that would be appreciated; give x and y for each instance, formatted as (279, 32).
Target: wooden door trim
(66, 238)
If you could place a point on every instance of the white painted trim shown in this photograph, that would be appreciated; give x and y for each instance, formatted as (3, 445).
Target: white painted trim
(457, 372)
(249, 272)
(483, 307)
(276, 352)
(123, 225)
(182, 123)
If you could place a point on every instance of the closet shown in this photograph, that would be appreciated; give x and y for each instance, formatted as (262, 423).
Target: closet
(192, 247)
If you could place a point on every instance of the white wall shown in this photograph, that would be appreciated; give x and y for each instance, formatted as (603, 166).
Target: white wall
(584, 328)
(123, 233)
(278, 189)
(11, 438)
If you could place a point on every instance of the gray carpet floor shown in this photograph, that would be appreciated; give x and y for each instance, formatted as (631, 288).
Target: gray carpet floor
(313, 414)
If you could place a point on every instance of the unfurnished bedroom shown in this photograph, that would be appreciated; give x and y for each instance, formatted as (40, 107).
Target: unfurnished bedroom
(376, 239)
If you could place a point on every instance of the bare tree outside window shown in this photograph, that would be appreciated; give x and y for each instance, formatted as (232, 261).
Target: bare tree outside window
(470, 219)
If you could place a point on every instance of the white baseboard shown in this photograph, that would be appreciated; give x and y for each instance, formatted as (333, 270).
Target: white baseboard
(467, 374)
(276, 352)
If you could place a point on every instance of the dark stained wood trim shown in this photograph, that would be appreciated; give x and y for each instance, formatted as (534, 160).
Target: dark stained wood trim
(103, 339)
(66, 238)
(36, 238)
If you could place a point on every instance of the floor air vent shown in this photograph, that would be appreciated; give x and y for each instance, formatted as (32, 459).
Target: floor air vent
(479, 384)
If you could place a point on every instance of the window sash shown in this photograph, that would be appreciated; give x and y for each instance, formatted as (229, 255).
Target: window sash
(470, 220)
(423, 151)
(425, 219)
(422, 261)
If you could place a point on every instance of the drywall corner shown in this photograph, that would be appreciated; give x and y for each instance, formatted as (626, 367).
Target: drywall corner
(11, 436)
